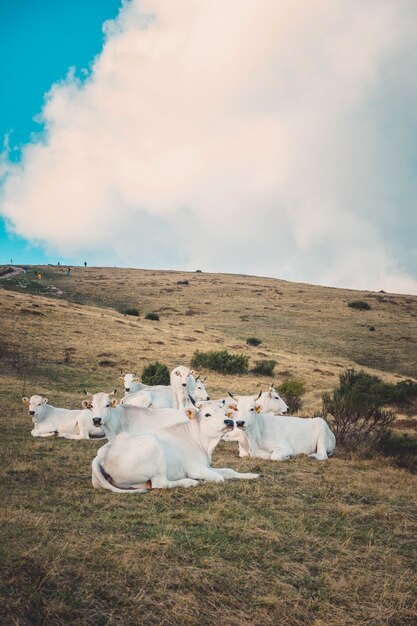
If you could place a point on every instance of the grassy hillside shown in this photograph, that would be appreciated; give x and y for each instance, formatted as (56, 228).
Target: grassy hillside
(309, 543)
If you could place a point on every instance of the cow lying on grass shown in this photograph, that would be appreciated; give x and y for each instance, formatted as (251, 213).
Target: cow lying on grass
(278, 437)
(174, 456)
(51, 421)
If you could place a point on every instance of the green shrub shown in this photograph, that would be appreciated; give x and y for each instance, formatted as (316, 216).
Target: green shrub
(264, 367)
(291, 391)
(131, 310)
(183, 282)
(401, 448)
(356, 407)
(221, 361)
(156, 374)
(359, 304)
(152, 316)
(253, 341)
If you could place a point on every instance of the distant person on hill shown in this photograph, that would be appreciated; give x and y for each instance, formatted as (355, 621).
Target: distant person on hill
(85, 263)
(68, 271)
(58, 263)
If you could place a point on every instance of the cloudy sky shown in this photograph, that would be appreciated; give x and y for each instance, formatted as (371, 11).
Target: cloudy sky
(270, 138)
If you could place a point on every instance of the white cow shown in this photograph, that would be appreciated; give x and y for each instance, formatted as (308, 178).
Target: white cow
(131, 383)
(277, 437)
(271, 402)
(162, 396)
(115, 418)
(181, 385)
(51, 421)
(175, 456)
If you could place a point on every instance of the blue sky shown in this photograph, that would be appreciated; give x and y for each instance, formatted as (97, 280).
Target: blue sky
(39, 41)
(292, 133)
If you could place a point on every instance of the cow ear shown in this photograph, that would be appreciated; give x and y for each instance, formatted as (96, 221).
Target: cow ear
(113, 403)
(177, 373)
(192, 372)
(258, 408)
(190, 413)
(121, 379)
(199, 405)
(25, 400)
(45, 400)
(230, 414)
(86, 404)
(136, 379)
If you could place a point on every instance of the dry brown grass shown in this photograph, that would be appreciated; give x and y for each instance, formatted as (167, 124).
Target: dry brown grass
(309, 543)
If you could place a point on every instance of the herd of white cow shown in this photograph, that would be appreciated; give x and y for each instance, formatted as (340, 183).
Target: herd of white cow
(164, 436)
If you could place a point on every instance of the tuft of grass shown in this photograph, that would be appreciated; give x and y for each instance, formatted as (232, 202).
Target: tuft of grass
(360, 305)
(264, 367)
(152, 316)
(253, 341)
(131, 310)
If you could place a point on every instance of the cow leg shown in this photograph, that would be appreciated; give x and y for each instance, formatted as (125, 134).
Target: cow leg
(282, 453)
(242, 452)
(161, 482)
(206, 473)
(228, 473)
(36, 433)
(321, 450)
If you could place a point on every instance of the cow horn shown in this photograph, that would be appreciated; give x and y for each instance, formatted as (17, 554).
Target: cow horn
(192, 399)
(259, 395)
(88, 393)
(231, 395)
(112, 392)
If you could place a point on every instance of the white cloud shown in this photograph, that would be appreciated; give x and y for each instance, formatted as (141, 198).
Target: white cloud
(232, 135)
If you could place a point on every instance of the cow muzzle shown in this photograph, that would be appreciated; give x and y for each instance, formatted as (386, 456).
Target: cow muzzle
(127, 389)
(31, 412)
(240, 424)
(97, 421)
(229, 424)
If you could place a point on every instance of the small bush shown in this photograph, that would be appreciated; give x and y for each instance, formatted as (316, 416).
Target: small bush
(155, 374)
(356, 407)
(359, 304)
(131, 310)
(221, 361)
(106, 363)
(372, 329)
(152, 316)
(253, 341)
(401, 448)
(264, 367)
(183, 282)
(198, 271)
(292, 390)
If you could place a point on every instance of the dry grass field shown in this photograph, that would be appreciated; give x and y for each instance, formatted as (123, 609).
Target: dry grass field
(308, 543)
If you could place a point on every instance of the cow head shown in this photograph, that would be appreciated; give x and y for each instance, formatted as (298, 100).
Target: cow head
(245, 410)
(200, 393)
(180, 376)
(130, 382)
(36, 406)
(101, 405)
(213, 420)
(271, 401)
